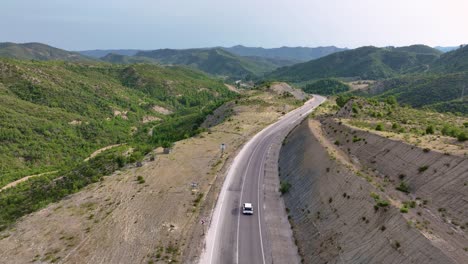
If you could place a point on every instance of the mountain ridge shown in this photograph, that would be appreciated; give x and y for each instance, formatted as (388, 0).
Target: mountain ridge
(39, 51)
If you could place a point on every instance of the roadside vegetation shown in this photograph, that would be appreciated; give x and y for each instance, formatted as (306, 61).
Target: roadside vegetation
(412, 125)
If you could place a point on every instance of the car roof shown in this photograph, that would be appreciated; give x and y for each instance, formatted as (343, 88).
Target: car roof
(247, 205)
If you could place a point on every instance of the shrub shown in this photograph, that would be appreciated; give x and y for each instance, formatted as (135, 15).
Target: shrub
(140, 179)
(337, 142)
(374, 195)
(379, 127)
(397, 244)
(391, 100)
(450, 131)
(403, 187)
(382, 203)
(404, 209)
(423, 168)
(284, 187)
(198, 199)
(430, 129)
(378, 202)
(166, 144)
(462, 137)
(355, 109)
(342, 100)
(411, 204)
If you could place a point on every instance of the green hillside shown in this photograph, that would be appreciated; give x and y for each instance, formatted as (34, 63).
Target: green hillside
(453, 61)
(55, 114)
(40, 100)
(214, 61)
(124, 59)
(326, 87)
(439, 91)
(365, 63)
(102, 53)
(297, 54)
(38, 51)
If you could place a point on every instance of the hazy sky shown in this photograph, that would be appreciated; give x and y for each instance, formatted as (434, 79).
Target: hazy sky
(151, 24)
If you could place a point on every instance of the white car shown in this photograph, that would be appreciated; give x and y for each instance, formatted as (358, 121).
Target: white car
(247, 208)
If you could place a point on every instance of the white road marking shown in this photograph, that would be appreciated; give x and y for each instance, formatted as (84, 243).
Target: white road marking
(212, 234)
(240, 201)
(258, 199)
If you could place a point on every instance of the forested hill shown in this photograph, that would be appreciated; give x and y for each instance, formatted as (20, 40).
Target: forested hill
(56, 113)
(39, 51)
(365, 63)
(215, 61)
(453, 61)
(439, 91)
(297, 54)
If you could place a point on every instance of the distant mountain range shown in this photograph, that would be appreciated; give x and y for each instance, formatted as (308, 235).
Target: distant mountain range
(292, 54)
(365, 63)
(102, 53)
(216, 61)
(446, 49)
(298, 54)
(285, 63)
(235, 62)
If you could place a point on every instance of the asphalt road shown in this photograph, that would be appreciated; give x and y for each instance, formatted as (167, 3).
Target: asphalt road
(233, 237)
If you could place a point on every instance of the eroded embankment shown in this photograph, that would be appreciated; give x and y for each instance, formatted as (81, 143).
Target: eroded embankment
(335, 219)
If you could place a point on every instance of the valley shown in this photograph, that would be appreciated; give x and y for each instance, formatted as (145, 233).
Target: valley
(114, 156)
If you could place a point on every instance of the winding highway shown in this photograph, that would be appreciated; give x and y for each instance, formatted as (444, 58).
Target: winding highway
(233, 237)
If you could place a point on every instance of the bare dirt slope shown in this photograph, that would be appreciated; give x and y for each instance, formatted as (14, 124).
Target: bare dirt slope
(282, 88)
(337, 198)
(154, 219)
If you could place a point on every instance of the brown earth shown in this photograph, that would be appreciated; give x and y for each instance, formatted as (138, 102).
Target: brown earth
(154, 218)
(282, 88)
(332, 211)
(99, 151)
(161, 110)
(361, 85)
